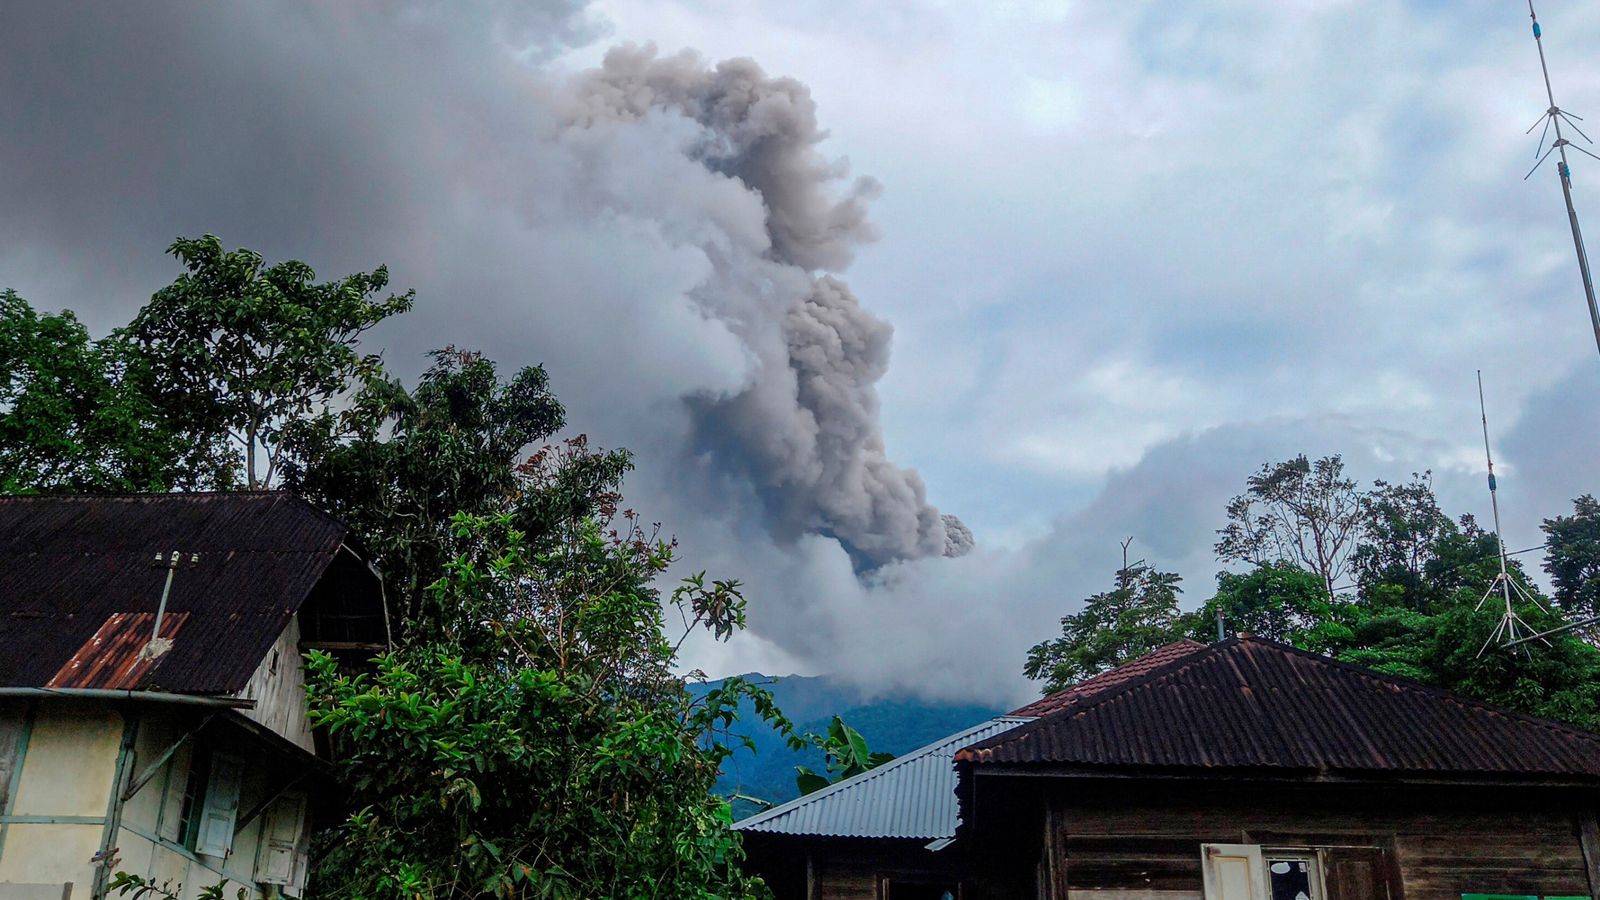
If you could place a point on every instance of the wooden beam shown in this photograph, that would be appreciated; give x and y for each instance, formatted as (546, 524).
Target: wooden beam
(341, 645)
(1589, 839)
(161, 760)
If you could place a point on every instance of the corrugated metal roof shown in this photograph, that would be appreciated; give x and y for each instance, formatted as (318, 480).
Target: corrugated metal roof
(1247, 703)
(70, 566)
(114, 658)
(913, 796)
(1110, 678)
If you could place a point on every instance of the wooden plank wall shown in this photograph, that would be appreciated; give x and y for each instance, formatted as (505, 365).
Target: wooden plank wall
(1438, 850)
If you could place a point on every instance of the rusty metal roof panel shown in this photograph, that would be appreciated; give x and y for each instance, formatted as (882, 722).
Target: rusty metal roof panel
(1248, 704)
(73, 567)
(116, 658)
(912, 796)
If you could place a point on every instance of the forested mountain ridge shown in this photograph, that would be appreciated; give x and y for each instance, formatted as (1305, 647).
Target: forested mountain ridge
(891, 723)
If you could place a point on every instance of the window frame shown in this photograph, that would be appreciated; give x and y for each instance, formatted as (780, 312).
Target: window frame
(1271, 853)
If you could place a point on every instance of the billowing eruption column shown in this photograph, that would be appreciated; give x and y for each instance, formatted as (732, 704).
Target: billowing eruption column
(805, 426)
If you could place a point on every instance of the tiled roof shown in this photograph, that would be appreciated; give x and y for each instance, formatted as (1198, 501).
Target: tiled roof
(912, 796)
(81, 586)
(1247, 703)
(1110, 678)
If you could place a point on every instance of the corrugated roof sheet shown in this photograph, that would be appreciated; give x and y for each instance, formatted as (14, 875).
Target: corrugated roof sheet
(912, 796)
(1247, 703)
(71, 566)
(1109, 678)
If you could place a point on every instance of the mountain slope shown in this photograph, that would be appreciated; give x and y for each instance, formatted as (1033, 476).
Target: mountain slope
(895, 724)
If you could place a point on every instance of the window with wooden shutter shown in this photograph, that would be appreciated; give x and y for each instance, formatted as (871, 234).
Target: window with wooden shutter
(220, 807)
(1356, 873)
(1234, 872)
(282, 828)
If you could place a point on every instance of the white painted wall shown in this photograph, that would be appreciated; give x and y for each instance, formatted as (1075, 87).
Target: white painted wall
(67, 768)
(278, 687)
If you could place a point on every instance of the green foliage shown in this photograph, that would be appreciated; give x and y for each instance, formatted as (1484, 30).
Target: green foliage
(529, 736)
(1277, 601)
(258, 353)
(76, 415)
(1573, 557)
(847, 756)
(411, 460)
(539, 744)
(125, 883)
(1299, 512)
(1136, 616)
(1419, 614)
(1402, 526)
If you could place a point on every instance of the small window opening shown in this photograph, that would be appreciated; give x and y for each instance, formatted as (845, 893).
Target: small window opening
(272, 667)
(1293, 876)
(194, 798)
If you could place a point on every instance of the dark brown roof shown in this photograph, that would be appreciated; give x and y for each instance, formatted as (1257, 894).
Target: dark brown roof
(81, 586)
(1251, 704)
(1108, 679)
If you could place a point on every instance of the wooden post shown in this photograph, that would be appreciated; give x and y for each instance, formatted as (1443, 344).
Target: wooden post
(1055, 842)
(1589, 839)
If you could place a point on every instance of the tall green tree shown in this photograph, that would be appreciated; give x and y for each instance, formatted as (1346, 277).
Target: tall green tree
(538, 743)
(402, 464)
(1139, 614)
(1403, 524)
(1572, 557)
(259, 353)
(78, 415)
(1296, 511)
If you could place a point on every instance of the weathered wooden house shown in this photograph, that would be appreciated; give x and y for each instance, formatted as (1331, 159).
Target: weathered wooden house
(1247, 770)
(153, 718)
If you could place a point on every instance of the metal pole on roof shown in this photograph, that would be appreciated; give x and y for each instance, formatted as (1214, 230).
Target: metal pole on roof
(159, 645)
(1554, 116)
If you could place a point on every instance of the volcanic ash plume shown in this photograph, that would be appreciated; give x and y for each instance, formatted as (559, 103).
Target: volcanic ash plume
(805, 426)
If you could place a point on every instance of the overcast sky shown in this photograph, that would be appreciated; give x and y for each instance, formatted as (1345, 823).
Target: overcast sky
(1067, 270)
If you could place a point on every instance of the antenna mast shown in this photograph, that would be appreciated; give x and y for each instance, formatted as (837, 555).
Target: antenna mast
(1555, 115)
(1510, 622)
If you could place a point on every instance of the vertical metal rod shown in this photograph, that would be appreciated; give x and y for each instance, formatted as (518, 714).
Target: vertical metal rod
(1564, 172)
(1508, 622)
(161, 610)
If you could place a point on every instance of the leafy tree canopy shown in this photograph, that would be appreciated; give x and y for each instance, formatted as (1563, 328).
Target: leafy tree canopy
(1139, 614)
(258, 353)
(77, 415)
(1419, 611)
(1573, 559)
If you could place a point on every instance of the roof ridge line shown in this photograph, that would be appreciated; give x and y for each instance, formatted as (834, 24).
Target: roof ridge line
(1095, 699)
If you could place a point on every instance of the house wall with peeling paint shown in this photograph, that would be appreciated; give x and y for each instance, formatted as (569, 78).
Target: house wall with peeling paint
(63, 764)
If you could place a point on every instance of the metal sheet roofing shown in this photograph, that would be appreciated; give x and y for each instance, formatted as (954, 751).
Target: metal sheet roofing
(912, 796)
(78, 574)
(1247, 703)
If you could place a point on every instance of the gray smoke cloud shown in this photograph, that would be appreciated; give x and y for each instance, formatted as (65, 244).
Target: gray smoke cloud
(668, 237)
(806, 429)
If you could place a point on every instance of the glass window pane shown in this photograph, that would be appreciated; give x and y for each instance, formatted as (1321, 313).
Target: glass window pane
(1290, 879)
